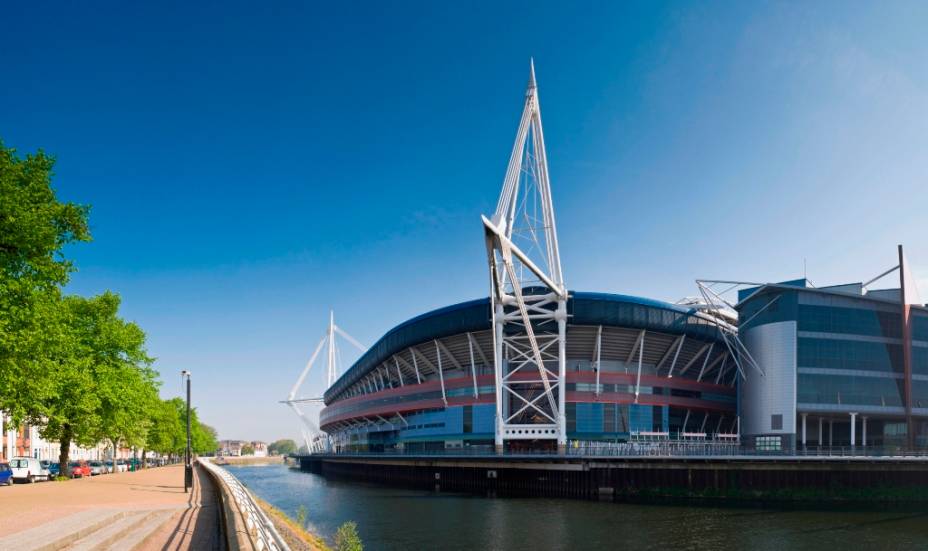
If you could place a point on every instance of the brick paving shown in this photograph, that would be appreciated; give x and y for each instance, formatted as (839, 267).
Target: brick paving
(195, 525)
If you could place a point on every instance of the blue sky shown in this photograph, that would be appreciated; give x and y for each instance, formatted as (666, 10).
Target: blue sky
(251, 166)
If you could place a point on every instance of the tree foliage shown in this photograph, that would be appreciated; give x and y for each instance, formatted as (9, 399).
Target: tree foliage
(104, 386)
(282, 447)
(168, 431)
(70, 364)
(34, 228)
(347, 538)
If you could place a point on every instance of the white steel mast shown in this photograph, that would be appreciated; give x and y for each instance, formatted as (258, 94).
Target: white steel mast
(528, 295)
(315, 438)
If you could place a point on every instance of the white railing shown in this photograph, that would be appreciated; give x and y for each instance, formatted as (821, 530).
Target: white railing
(261, 529)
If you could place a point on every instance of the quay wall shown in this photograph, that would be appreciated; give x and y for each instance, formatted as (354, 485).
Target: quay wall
(753, 480)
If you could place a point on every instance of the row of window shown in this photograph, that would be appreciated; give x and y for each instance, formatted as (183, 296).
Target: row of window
(848, 390)
(849, 354)
(854, 321)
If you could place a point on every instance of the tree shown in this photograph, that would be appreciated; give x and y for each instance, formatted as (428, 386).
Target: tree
(282, 447)
(166, 429)
(204, 439)
(347, 538)
(34, 228)
(103, 385)
(248, 449)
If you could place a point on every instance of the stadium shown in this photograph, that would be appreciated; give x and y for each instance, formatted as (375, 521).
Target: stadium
(634, 367)
(535, 367)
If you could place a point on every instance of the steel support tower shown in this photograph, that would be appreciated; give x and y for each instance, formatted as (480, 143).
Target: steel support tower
(527, 292)
(314, 438)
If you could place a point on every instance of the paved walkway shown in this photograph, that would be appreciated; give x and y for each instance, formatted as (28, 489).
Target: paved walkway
(142, 510)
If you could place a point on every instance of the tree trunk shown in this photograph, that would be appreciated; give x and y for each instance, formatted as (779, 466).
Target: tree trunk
(144, 451)
(64, 468)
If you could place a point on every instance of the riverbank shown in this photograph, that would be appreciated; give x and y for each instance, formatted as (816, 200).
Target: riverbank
(296, 536)
(250, 460)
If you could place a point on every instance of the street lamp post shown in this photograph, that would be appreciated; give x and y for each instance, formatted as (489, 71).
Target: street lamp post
(188, 456)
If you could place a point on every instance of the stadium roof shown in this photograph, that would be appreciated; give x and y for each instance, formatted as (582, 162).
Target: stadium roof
(584, 308)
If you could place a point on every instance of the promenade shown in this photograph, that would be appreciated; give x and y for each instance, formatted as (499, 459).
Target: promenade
(145, 510)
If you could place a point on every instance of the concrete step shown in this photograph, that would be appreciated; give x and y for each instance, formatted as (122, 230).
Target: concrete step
(60, 533)
(137, 535)
(112, 532)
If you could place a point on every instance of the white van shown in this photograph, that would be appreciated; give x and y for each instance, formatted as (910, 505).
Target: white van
(28, 469)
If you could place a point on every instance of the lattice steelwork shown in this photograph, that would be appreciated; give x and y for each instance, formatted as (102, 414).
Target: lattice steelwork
(528, 296)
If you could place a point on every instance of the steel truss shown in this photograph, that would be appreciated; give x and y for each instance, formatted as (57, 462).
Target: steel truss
(715, 307)
(528, 296)
(316, 439)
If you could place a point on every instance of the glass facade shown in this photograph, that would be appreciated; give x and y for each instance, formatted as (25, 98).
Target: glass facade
(847, 390)
(850, 321)
(850, 357)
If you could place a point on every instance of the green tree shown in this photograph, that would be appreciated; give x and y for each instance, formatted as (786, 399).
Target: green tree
(347, 538)
(282, 447)
(204, 439)
(104, 385)
(34, 228)
(167, 429)
(248, 449)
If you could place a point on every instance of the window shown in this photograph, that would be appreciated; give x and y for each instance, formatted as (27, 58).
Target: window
(776, 422)
(609, 418)
(768, 443)
(468, 419)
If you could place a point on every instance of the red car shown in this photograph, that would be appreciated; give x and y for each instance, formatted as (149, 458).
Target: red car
(79, 469)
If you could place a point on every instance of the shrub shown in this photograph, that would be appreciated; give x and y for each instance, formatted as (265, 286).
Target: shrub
(347, 538)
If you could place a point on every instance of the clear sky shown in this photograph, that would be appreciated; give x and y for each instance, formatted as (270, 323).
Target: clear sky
(253, 164)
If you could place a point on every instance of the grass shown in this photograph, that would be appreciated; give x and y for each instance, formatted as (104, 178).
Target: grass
(306, 539)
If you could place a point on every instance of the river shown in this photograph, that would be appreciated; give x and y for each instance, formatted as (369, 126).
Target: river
(397, 519)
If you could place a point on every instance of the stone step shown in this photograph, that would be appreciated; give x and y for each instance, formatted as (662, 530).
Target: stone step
(140, 532)
(60, 533)
(112, 532)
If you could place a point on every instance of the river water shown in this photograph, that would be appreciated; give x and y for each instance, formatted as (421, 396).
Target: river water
(397, 519)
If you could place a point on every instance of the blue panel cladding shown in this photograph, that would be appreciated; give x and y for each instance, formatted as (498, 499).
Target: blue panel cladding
(435, 423)
(484, 418)
(665, 415)
(589, 417)
(641, 418)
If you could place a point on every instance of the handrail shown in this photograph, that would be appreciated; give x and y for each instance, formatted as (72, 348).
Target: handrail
(261, 530)
(656, 449)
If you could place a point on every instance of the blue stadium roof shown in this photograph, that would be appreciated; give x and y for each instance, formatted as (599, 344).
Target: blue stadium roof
(583, 308)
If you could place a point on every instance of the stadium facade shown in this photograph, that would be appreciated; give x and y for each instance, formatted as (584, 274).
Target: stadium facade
(634, 367)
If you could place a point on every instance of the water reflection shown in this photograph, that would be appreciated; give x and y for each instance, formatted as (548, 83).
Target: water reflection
(390, 518)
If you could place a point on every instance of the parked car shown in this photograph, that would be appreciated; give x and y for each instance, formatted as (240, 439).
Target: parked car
(117, 466)
(121, 466)
(53, 468)
(28, 469)
(79, 469)
(6, 474)
(96, 467)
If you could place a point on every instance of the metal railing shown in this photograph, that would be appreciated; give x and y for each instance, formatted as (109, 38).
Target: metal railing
(261, 529)
(659, 449)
